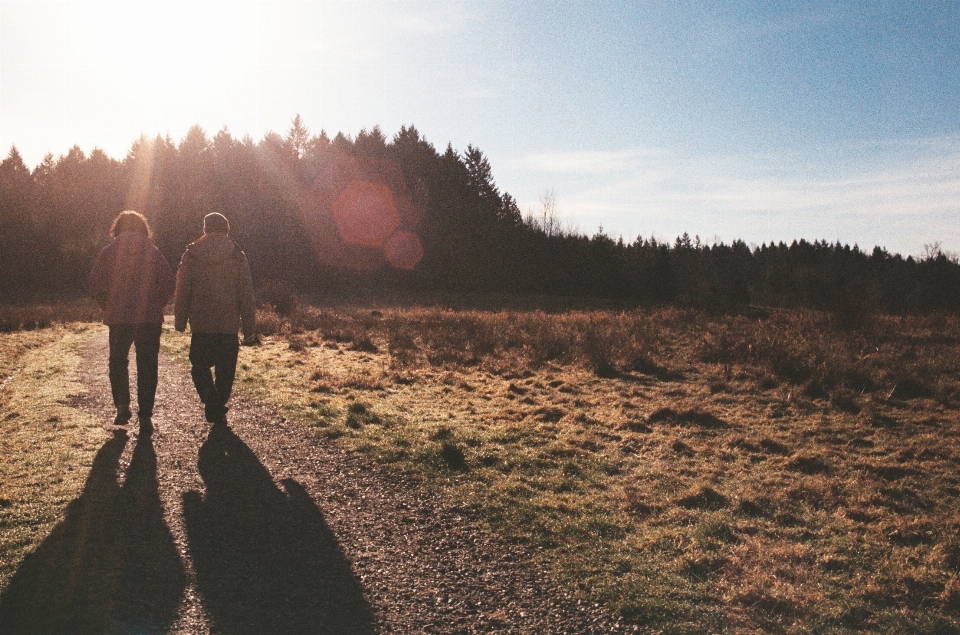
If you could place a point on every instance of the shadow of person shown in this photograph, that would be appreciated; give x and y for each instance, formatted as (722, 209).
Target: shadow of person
(266, 561)
(110, 563)
(150, 574)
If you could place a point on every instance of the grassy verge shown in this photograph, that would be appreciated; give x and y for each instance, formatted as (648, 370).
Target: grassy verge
(764, 473)
(46, 444)
(28, 317)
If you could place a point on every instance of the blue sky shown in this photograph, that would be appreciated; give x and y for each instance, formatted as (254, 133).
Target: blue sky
(764, 121)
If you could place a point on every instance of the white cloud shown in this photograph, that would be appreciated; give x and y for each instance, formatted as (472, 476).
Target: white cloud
(433, 18)
(596, 162)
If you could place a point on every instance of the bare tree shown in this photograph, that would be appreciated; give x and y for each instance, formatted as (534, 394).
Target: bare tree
(931, 251)
(545, 219)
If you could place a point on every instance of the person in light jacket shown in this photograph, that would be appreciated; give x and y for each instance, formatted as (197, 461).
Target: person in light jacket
(214, 295)
(132, 282)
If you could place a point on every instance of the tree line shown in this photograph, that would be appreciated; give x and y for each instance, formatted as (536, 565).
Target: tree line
(420, 221)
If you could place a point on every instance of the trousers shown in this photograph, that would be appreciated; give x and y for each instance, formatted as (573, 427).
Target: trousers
(216, 351)
(145, 338)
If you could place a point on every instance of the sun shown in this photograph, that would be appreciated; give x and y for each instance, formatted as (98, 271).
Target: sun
(162, 36)
(164, 65)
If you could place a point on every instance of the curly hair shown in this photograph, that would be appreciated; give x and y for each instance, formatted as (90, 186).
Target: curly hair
(130, 221)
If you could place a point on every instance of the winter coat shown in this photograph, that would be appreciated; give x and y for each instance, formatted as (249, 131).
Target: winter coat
(214, 289)
(131, 281)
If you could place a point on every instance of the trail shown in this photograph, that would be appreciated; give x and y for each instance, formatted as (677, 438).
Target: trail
(266, 527)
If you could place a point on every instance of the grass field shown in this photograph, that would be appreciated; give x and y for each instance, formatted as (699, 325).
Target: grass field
(772, 472)
(777, 471)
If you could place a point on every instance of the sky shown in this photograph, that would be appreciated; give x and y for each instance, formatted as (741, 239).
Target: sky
(759, 121)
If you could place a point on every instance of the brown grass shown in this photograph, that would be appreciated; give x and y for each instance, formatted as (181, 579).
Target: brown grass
(775, 472)
(29, 317)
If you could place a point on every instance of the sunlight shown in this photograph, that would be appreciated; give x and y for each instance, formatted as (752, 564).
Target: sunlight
(110, 71)
(165, 65)
(150, 35)
(144, 151)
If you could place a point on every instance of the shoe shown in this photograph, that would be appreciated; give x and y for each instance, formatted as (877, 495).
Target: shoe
(213, 413)
(123, 416)
(146, 426)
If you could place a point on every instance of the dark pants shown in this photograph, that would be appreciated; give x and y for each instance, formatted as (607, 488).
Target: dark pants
(218, 351)
(146, 339)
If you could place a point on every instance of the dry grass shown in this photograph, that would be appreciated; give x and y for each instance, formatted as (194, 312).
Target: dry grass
(28, 317)
(763, 473)
(46, 444)
(774, 472)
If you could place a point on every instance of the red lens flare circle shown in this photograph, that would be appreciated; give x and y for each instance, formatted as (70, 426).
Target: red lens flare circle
(403, 250)
(365, 214)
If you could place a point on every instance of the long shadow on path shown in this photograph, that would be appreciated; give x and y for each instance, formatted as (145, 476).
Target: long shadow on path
(110, 566)
(266, 560)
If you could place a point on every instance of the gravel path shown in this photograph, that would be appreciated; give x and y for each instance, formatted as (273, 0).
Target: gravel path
(265, 527)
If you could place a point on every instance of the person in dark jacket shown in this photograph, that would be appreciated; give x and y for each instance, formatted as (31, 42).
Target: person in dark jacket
(214, 295)
(132, 282)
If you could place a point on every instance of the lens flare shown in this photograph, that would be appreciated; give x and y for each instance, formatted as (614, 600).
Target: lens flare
(403, 250)
(359, 214)
(365, 214)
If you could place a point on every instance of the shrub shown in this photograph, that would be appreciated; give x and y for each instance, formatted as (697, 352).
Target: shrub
(280, 295)
(452, 455)
(360, 414)
(270, 323)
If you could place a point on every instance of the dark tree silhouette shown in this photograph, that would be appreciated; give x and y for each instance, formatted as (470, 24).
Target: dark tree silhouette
(370, 215)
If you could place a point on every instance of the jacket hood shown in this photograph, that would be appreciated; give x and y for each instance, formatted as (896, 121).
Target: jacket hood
(213, 248)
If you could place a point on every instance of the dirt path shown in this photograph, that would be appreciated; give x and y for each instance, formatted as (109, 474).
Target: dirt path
(264, 527)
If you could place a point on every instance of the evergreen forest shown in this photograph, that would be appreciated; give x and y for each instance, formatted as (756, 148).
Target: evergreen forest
(369, 215)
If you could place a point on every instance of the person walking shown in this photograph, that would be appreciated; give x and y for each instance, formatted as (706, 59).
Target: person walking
(214, 294)
(132, 282)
